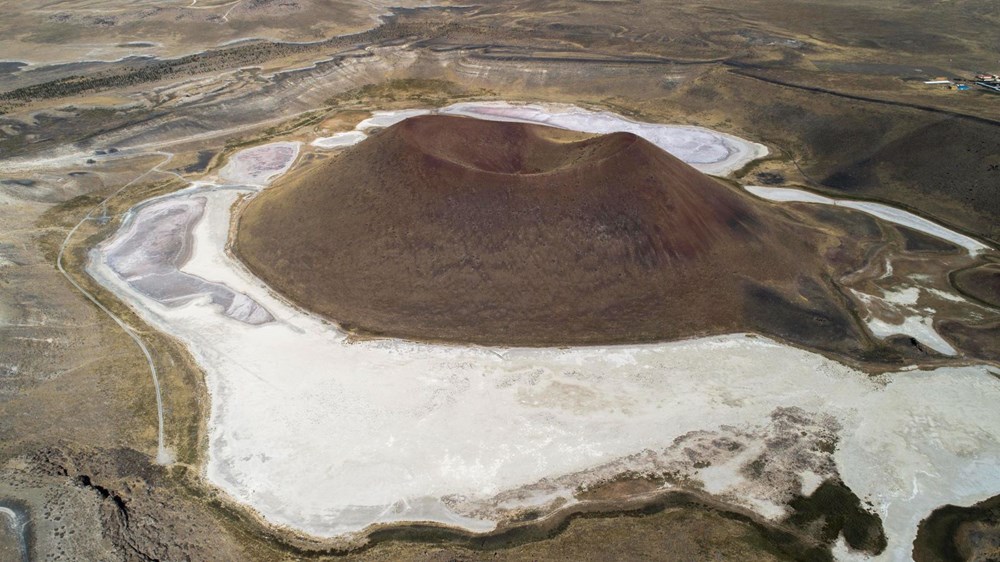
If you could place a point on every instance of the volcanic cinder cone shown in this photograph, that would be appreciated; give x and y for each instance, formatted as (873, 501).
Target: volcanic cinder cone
(450, 228)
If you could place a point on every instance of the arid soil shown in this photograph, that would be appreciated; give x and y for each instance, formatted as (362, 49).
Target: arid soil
(835, 88)
(981, 283)
(67, 30)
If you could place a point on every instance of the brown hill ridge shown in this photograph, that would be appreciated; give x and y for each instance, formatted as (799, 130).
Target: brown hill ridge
(450, 228)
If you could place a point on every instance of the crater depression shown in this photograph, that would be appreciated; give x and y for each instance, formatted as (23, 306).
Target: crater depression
(452, 228)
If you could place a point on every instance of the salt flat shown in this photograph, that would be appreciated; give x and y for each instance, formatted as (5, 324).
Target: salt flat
(153, 248)
(329, 436)
(339, 140)
(710, 151)
(258, 165)
(880, 210)
(916, 322)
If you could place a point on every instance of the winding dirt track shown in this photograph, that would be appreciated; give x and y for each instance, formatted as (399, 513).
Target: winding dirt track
(162, 455)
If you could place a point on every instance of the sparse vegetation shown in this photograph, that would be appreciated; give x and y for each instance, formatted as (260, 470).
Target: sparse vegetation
(75, 410)
(410, 91)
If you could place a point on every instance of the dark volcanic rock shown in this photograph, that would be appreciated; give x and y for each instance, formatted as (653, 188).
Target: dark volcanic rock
(459, 229)
(953, 533)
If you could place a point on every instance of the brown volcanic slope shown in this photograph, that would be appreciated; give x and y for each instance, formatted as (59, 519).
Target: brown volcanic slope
(453, 228)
